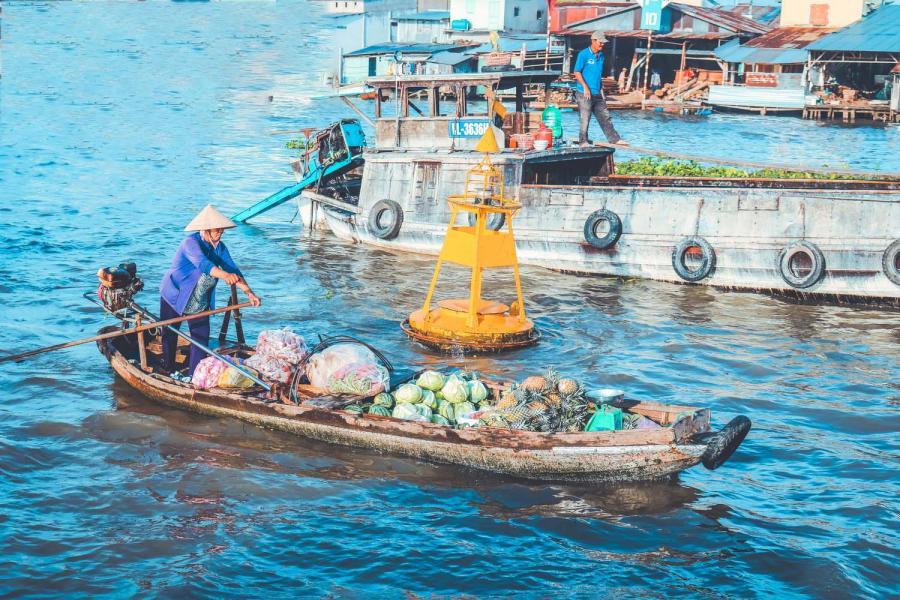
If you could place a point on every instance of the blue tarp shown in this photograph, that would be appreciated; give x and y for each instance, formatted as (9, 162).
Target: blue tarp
(735, 53)
(879, 31)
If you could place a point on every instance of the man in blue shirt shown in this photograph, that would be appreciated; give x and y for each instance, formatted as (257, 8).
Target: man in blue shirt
(589, 94)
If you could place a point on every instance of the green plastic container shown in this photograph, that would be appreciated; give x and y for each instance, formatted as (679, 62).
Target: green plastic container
(606, 418)
(552, 118)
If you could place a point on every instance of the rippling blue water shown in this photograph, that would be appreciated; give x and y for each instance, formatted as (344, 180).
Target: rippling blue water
(120, 120)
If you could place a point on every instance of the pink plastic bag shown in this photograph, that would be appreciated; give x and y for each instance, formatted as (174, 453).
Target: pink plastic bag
(206, 375)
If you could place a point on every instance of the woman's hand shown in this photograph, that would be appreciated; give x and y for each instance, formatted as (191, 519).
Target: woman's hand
(229, 278)
(254, 299)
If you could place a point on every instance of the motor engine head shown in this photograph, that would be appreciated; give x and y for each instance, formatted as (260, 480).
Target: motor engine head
(118, 285)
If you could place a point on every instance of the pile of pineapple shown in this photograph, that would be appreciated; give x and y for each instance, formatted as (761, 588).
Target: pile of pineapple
(547, 403)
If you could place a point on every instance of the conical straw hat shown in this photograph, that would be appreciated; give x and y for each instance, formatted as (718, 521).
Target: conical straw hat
(210, 218)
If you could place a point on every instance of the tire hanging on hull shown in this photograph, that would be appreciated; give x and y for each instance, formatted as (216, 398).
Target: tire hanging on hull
(786, 266)
(598, 217)
(707, 259)
(385, 230)
(890, 262)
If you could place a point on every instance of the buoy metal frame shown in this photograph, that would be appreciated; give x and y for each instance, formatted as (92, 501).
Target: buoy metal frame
(474, 323)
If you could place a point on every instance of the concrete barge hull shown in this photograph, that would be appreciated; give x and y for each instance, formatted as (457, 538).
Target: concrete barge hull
(747, 228)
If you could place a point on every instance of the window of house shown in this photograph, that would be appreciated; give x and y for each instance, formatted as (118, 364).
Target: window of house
(540, 15)
(516, 11)
(818, 15)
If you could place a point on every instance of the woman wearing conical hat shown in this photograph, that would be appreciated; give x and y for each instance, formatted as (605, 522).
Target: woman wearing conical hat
(188, 287)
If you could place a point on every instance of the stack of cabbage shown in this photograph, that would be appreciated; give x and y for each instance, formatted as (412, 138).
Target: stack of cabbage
(434, 398)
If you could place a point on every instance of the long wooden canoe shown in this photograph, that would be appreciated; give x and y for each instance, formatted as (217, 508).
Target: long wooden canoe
(594, 456)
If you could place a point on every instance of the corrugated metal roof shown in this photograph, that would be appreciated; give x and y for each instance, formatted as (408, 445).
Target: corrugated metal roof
(611, 13)
(757, 12)
(789, 37)
(721, 18)
(450, 58)
(391, 47)
(513, 43)
(783, 46)
(879, 31)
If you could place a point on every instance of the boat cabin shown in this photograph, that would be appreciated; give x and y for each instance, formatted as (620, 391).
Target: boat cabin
(448, 114)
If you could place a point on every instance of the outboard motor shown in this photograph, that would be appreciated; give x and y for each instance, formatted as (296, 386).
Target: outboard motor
(118, 285)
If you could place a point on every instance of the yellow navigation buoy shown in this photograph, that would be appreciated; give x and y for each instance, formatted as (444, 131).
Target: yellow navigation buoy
(475, 323)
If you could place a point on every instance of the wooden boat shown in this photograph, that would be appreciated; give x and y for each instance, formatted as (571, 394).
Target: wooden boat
(684, 441)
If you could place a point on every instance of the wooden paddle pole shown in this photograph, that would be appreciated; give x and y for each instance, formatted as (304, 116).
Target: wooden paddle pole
(113, 334)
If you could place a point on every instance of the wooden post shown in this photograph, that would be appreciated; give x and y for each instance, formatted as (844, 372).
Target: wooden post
(238, 327)
(377, 103)
(223, 332)
(684, 61)
(647, 64)
(142, 346)
(520, 98)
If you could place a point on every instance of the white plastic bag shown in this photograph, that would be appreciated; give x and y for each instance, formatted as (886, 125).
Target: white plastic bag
(323, 365)
(282, 344)
(359, 379)
(273, 369)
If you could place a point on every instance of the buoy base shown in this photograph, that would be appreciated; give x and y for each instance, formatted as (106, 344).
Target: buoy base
(447, 328)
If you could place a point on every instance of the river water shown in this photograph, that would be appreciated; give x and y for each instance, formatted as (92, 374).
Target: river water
(121, 120)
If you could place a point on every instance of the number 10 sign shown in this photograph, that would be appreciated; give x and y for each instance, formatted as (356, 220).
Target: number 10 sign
(651, 14)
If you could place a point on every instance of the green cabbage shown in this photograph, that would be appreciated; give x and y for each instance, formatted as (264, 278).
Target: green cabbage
(477, 391)
(430, 380)
(455, 390)
(383, 399)
(439, 420)
(409, 393)
(428, 399)
(439, 395)
(423, 411)
(404, 410)
(445, 409)
(463, 408)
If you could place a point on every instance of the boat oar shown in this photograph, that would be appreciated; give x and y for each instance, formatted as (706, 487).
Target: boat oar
(112, 334)
(246, 373)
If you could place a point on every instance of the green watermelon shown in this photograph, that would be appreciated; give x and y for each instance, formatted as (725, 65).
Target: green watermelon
(383, 399)
(354, 408)
(381, 411)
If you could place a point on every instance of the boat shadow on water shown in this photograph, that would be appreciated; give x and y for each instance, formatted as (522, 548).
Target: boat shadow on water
(218, 442)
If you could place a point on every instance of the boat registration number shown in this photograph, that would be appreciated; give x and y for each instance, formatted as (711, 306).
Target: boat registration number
(468, 128)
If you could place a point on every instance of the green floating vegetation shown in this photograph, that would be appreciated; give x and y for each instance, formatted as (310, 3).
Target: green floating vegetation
(658, 167)
(300, 143)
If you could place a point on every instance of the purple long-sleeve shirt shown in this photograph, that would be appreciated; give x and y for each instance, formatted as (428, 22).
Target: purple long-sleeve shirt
(194, 257)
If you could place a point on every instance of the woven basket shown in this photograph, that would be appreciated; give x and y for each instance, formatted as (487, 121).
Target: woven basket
(525, 141)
